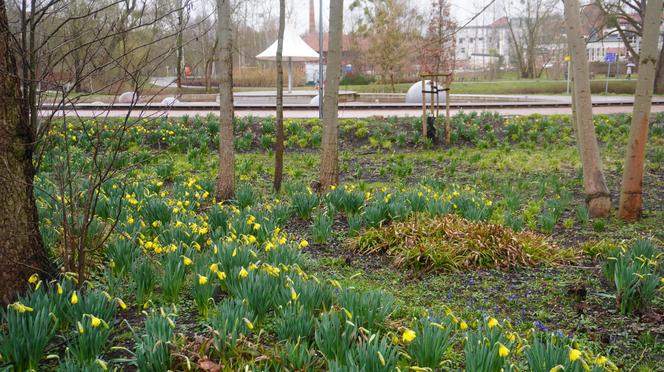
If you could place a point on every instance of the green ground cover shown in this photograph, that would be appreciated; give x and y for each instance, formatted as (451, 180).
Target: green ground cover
(281, 281)
(617, 86)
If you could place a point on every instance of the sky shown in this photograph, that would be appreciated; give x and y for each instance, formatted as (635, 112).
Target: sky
(462, 10)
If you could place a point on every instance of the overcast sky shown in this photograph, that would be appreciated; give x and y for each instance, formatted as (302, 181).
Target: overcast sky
(462, 10)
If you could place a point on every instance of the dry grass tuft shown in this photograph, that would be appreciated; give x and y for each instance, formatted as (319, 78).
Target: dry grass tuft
(452, 243)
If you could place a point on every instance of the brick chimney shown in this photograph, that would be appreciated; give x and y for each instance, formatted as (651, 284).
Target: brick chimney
(312, 17)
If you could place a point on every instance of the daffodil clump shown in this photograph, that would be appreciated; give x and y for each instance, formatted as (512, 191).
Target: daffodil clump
(57, 306)
(637, 275)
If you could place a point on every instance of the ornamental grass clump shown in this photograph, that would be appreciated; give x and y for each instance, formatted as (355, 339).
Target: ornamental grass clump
(453, 243)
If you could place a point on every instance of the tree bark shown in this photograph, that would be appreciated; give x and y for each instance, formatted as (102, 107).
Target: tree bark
(659, 76)
(329, 165)
(279, 144)
(178, 45)
(226, 180)
(21, 247)
(598, 197)
(632, 182)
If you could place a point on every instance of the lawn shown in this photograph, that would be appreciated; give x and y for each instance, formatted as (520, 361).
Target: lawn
(506, 87)
(479, 255)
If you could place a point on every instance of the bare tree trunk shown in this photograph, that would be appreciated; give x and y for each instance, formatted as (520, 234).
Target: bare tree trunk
(178, 44)
(598, 197)
(226, 180)
(632, 181)
(279, 144)
(659, 76)
(209, 64)
(21, 246)
(208, 72)
(329, 165)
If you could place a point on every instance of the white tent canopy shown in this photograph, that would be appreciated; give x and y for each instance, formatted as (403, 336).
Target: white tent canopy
(294, 50)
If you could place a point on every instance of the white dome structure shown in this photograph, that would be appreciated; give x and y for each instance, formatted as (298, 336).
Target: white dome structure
(169, 101)
(128, 97)
(414, 94)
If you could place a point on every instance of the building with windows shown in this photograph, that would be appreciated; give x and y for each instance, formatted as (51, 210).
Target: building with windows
(478, 46)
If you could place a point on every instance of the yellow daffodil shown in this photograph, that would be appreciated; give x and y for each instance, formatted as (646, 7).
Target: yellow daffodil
(661, 280)
(293, 294)
(102, 364)
(34, 278)
(59, 289)
(601, 360)
(221, 275)
(234, 253)
(202, 279)
(80, 328)
(574, 354)
(214, 267)
(21, 308)
(492, 322)
(463, 325)
(249, 324)
(94, 321)
(503, 351)
(511, 337)
(257, 226)
(243, 273)
(252, 266)
(74, 298)
(122, 304)
(303, 244)
(381, 358)
(408, 336)
(186, 260)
